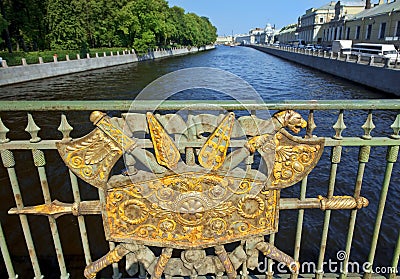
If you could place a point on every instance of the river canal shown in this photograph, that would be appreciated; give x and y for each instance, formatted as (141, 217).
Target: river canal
(273, 79)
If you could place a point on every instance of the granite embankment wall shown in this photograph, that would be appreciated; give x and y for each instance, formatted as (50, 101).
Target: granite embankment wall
(379, 76)
(24, 73)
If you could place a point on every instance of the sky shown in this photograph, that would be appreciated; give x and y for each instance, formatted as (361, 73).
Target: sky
(238, 17)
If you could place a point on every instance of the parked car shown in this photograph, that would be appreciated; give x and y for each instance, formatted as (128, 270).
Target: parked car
(310, 47)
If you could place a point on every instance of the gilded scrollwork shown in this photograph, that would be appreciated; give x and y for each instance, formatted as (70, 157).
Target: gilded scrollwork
(91, 157)
(193, 218)
(250, 206)
(133, 211)
(293, 160)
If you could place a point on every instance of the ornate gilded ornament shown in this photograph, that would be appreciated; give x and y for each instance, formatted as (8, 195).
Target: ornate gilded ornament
(191, 218)
(193, 207)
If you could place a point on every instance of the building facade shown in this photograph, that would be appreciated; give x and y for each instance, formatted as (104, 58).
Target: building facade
(312, 21)
(335, 29)
(257, 36)
(224, 40)
(288, 34)
(375, 23)
(379, 24)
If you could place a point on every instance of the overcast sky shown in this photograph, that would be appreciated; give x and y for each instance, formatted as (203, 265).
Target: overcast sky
(240, 16)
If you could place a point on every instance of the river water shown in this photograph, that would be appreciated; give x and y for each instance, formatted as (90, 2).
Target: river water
(273, 79)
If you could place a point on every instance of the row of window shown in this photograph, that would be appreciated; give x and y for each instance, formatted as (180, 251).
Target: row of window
(336, 33)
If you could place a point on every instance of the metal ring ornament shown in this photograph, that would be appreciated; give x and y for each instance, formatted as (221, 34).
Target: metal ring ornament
(244, 200)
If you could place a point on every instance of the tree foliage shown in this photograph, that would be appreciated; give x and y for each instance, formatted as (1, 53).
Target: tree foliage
(3, 26)
(83, 24)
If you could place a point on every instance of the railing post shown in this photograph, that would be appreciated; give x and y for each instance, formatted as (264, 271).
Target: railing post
(363, 158)
(6, 256)
(67, 57)
(371, 61)
(391, 158)
(4, 63)
(40, 60)
(88, 55)
(387, 63)
(395, 262)
(9, 163)
(23, 60)
(299, 229)
(335, 160)
(40, 162)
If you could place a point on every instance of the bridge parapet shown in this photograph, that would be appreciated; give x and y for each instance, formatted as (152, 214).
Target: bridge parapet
(211, 151)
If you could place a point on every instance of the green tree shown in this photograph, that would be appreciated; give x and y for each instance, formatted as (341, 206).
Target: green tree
(66, 22)
(176, 18)
(3, 26)
(192, 29)
(80, 24)
(146, 41)
(130, 26)
(210, 31)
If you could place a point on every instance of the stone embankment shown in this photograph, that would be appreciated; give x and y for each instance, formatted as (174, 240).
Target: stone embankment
(24, 73)
(380, 75)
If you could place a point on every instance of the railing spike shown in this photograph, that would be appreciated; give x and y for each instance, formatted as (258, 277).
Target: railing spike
(396, 128)
(368, 126)
(339, 126)
(310, 124)
(3, 132)
(65, 129)
(32, 129)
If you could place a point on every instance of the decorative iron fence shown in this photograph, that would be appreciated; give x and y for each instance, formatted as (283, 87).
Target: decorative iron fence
(34, 172)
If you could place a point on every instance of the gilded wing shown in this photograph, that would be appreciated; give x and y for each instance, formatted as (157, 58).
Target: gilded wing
(294, 159)
(167, 154)
(213, 153)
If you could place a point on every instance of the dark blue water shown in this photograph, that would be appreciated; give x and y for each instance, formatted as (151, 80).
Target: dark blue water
(271, 78)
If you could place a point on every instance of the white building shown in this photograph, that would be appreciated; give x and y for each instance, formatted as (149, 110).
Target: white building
(224, 40)
(257, 36)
